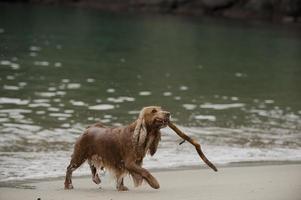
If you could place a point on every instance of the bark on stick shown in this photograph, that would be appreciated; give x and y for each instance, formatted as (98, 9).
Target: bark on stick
(194, 143)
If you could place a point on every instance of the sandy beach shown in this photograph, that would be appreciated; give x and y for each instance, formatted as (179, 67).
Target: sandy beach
(246, 182)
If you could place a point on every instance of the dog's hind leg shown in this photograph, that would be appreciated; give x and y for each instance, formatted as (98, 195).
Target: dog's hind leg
(119, 183)
(76, 161)
(95, 177)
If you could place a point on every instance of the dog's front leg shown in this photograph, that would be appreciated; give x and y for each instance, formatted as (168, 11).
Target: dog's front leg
(133, 167)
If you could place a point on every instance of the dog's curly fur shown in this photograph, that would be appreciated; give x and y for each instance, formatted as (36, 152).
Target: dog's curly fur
(120, 150)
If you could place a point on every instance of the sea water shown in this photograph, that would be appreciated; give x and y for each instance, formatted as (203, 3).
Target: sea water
(232, 85)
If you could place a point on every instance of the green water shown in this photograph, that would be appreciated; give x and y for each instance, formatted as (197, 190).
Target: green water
(159, 54)
(238, 80)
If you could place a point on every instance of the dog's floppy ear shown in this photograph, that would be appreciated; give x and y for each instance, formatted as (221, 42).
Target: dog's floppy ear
(140, 132)
(154, 145)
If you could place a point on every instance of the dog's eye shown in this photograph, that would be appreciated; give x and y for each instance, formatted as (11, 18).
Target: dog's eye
(154, 111)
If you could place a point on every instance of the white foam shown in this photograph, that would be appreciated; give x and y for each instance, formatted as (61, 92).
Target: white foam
(53, 109)
(65, 115)
(102, 107)
(15, 111)
(269, 101)
(45, 94)
(65, 125)
(57, 64)
(234, 98)
(105, 121)
(222, 106)
(183, 88)
(189, 106)
(57, 100)
(33, 54)
(11, 87)
(65, 80)
(134, 112)
(28, 127)
(90, 80)
(107, 116)
(40, 112)
(41, 100)
(51, 89)
(111, 90)
(22, 84)
(60, 93)
(7, 100)
(69, 111)
(121, 99)
(3, 120)
(15, 66)
(5, 62)
(145, 93)
(36, 105)
(217, 144)
(73, 85)
(20, 166)
(205, 117)
(77, 103)
(34, 48)
(10, 77)
(41, 63)
(167, 94)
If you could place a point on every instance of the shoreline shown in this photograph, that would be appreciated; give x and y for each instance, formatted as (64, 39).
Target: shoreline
(235, 11)
(269, 182)
(19, 183)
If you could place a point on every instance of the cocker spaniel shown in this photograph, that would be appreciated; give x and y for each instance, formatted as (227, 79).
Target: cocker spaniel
(120, 150)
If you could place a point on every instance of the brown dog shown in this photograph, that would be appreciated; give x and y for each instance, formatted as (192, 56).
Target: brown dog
(120, 150)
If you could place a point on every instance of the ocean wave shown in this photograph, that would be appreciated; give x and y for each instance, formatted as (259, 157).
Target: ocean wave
(221, 146)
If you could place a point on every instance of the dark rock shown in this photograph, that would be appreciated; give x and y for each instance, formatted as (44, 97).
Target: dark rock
(288, 19)
(216, 4)
(290, 7)
(280, 10)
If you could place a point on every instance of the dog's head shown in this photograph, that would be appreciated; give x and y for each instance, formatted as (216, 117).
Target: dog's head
(150, 118)
(154, 117)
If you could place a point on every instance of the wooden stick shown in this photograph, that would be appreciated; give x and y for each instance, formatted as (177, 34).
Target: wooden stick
(194, 143)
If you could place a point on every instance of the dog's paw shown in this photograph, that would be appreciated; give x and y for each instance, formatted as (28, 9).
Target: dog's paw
(68, 186)
(96, 179)
(122, 188)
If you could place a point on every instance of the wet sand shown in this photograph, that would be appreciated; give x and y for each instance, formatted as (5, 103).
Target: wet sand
(246, 182)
